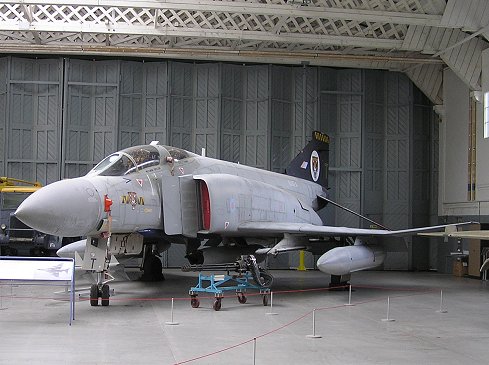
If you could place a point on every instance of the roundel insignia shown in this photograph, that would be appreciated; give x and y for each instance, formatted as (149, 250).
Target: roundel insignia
(314, 165)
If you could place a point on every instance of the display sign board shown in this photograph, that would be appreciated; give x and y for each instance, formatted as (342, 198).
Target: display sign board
(26, 269)
(47, 269)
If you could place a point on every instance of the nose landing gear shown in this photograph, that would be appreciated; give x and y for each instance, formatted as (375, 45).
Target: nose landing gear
(103, 292)
(100, 290)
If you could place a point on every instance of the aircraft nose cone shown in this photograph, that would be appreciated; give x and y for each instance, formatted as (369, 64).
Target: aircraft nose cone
(335, 262)
(65, 208)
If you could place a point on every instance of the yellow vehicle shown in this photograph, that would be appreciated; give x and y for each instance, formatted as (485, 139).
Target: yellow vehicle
(15, 237)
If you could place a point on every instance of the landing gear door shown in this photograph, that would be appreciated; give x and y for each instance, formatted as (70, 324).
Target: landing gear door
(171, 205)
(94, 258)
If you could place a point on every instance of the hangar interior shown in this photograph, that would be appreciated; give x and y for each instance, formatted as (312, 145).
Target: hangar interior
(402, 88)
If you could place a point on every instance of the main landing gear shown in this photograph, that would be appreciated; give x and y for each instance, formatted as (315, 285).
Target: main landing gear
(152, 267)
(339, 282)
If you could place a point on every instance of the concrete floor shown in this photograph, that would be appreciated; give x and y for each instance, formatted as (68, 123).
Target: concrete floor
(133, 330)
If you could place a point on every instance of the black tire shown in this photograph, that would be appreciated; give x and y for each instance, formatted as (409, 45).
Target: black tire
(105, 295)
(266, 278)
(94, 295)
(265, 300)
(217, 305)
(152, 269)
(241, 298)
(194, 302)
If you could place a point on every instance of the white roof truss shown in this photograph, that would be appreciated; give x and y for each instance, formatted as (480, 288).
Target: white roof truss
(418, 37)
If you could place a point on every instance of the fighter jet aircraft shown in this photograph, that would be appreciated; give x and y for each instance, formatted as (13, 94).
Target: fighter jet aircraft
(142, 199)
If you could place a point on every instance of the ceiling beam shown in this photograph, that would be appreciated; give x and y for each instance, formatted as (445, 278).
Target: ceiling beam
(200, 33)
(266, 56)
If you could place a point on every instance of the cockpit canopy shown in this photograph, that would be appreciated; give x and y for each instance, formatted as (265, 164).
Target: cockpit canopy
(133, 159)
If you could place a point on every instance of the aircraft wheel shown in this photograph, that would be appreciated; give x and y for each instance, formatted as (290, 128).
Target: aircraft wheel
(194, 302)
(105, 295)
(94, 295)
(152, 268)
(241, 298)
(217, 304)
(156, 268)
(266, 278)
(265, 300)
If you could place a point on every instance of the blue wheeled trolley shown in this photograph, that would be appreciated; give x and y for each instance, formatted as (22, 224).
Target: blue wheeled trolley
(239, 283)
(218, 284)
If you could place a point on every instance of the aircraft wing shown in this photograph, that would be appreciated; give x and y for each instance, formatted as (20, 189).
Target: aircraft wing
(478, 235)
(304, 229)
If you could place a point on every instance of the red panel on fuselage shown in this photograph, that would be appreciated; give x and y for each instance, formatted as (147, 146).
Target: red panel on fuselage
(206, 205)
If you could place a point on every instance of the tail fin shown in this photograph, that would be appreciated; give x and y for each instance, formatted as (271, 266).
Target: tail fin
(312, 162)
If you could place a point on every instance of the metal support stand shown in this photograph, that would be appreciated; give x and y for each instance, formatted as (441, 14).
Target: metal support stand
(171, 323)
(441, 310)
(314, 326)
(388, 310)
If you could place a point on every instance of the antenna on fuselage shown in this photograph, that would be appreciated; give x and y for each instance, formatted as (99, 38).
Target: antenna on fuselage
(154, 143)
(203, 151)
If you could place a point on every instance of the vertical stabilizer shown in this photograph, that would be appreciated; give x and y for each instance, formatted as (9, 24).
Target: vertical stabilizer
(312, 162)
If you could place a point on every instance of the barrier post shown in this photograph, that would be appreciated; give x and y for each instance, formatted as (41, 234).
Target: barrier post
(254, 351)
(171, 323)
(388, 310)
(313, 326)
(271, 305)
(441, 310)
(349, 296)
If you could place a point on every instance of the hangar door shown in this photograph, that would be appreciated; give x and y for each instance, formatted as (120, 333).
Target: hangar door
(59, 117)
(91, 109)
(31, 117)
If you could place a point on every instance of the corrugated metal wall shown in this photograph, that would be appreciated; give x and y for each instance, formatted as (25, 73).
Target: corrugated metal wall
(91, 114)
(374, 157)
(232, 112)
(3, 112)
(181, 104)
(259, 115)
(256, 129)
(398, 164)
(341, 114)
(155, 110)
(31, 149)
(130, 104)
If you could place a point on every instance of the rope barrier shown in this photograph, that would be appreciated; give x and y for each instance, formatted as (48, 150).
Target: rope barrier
(112, 298)
(297, 320)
